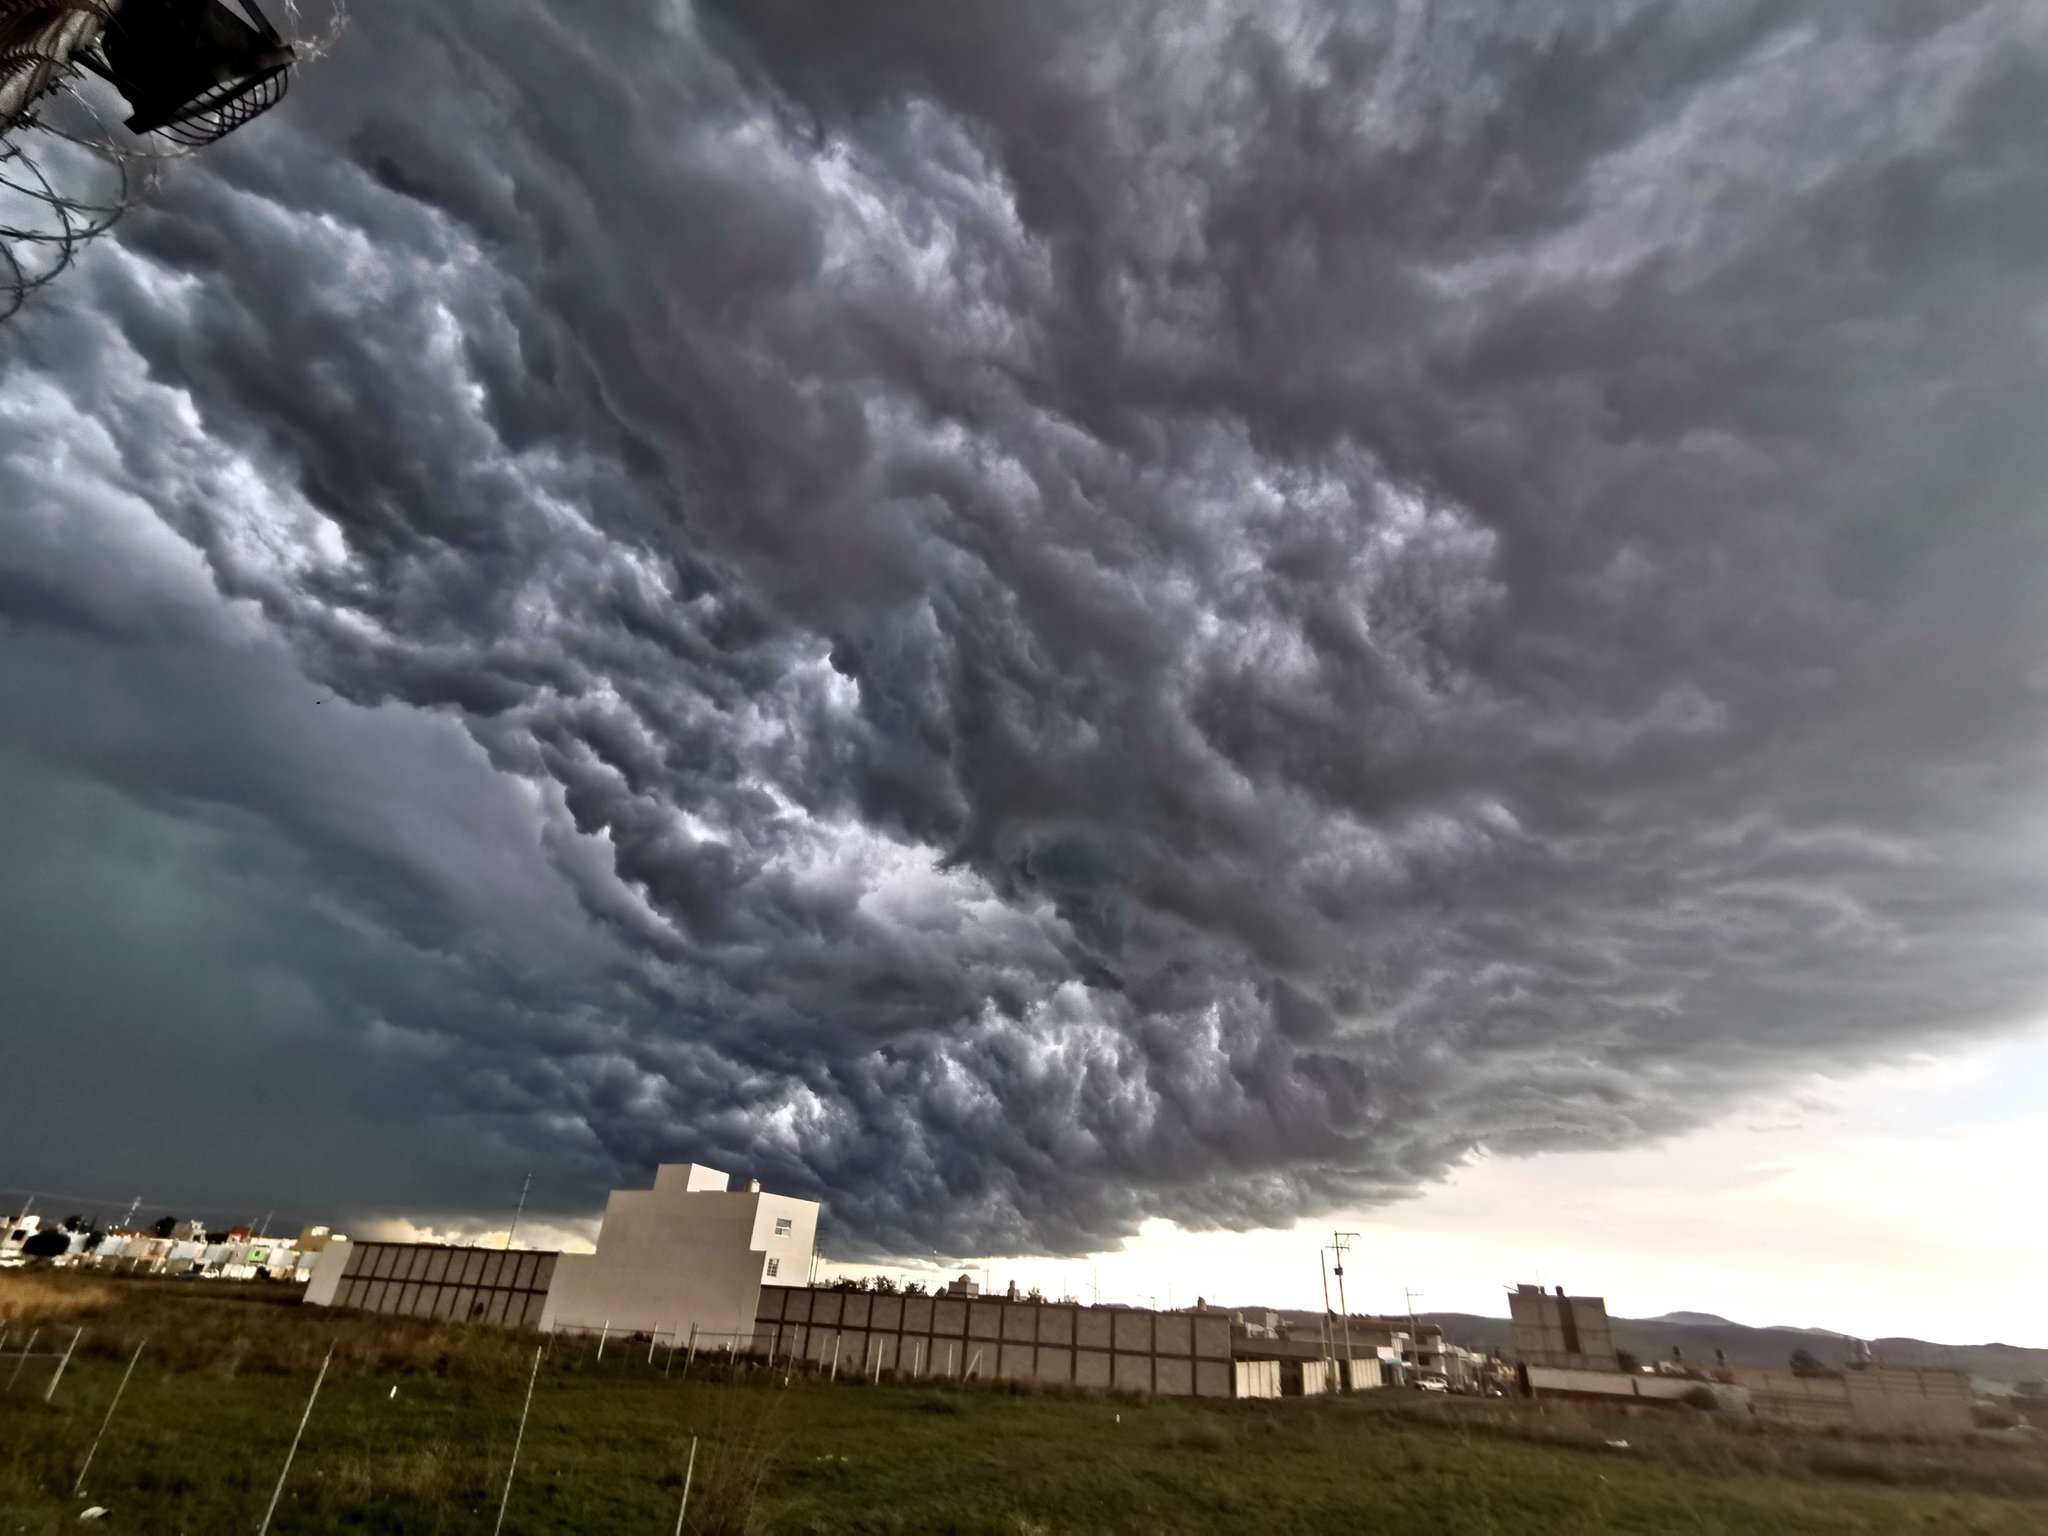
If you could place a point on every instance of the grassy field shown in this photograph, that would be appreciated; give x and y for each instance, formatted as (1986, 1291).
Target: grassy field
(415, 1425)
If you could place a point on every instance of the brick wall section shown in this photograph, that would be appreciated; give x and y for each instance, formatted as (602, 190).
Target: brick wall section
(1173, 1354)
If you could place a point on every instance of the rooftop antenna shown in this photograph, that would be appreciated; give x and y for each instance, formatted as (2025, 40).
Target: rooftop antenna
(518, 1211)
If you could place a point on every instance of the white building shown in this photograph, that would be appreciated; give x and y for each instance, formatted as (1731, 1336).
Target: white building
(690, 1254)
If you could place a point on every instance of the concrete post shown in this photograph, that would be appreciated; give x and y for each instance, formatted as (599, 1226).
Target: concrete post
(517, 1441)
(50, 1396)
(79, 1486)
(22, 1359)
(689, 1472)
(278, 1492)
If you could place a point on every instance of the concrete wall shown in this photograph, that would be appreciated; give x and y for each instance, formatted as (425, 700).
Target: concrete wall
(1894, 1399)
(429, 1280)
(1256, 1378)
(992, 1339)
(1631, 1386)
(1314, 1376)
(1363, 1375)
(1880, 1399)
(328, 1268)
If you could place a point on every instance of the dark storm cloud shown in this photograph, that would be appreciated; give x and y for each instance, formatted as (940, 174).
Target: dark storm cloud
(1025, 616)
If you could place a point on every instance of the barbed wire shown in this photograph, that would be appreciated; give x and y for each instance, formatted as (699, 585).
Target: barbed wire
(54, 153)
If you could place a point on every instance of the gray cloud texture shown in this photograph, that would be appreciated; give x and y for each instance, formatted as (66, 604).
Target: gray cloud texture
(1024, 616)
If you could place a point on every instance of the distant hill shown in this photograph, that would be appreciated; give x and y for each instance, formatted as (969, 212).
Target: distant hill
(1703, 1319)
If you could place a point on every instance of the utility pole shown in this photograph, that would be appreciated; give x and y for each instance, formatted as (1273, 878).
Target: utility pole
(1323, 1262)
(1340, 1245)
(519, 1210)
(1414, 1329)
(133, 1206)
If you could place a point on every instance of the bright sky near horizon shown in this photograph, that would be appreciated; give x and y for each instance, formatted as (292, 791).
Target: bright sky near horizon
(1900, 1203)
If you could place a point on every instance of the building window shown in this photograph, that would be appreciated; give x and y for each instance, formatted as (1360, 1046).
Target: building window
(774, 1268)
(782, 1226)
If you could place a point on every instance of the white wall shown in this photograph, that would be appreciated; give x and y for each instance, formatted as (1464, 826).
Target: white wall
(328, 1264)
(1363, 1375)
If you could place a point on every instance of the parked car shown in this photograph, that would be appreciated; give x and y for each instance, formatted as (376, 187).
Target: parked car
(1433, 1384)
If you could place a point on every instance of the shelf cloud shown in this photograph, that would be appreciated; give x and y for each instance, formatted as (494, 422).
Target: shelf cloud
(1025, 616)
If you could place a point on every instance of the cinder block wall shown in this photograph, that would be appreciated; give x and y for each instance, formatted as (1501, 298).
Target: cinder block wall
(484, 1285)
(1174, 1354)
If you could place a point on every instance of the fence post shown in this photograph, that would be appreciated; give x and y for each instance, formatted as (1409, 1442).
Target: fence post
(603, 1334)
(875, 1349)
(78, 1486)
(691, 1358)
(312, 1397)
(688, 1472)
(973, 1365)
(835, 1357)
(517, 1441)
(50, 1396)
(33, 1335)
(917, 1359)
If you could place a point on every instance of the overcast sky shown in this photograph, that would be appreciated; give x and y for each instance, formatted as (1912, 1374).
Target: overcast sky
(1036, 617)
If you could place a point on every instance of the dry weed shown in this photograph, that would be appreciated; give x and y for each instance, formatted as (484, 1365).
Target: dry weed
(27, 1296)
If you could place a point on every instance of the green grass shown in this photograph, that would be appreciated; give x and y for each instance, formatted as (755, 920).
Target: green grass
(197, 1443)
